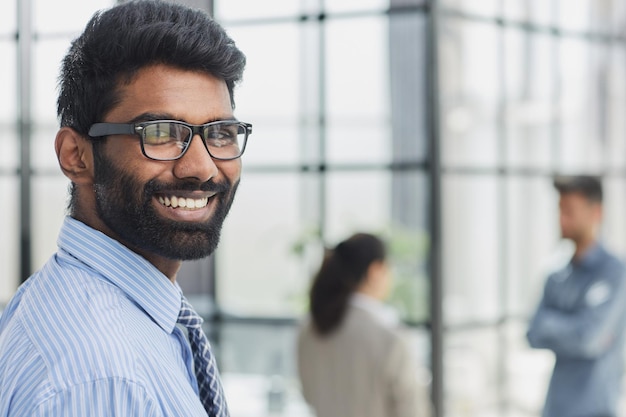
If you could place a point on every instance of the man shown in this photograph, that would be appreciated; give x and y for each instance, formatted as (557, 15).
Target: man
(150, 144)
(581, 317)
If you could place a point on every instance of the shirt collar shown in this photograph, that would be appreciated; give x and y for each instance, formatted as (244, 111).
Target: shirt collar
(591, 256)
(141, 281)
(381, 312)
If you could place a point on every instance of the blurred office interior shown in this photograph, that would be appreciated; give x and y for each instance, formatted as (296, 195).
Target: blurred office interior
(437, 124)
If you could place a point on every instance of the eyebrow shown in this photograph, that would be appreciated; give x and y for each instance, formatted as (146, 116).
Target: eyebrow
(149, 117)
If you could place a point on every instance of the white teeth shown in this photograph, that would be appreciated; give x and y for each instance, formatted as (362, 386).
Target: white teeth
(182, 202)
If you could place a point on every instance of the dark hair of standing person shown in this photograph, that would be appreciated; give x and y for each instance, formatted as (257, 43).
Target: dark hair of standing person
(588, 186)
(339, 276)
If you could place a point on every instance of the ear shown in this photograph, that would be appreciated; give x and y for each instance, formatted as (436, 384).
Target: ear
(75, 155)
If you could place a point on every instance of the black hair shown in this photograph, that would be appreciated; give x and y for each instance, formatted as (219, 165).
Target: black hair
(341, 272)
(118, 42)
(589, 186)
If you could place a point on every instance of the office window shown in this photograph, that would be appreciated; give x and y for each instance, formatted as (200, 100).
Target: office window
(9, 249)
(9, 156)
(528, 89)
(260, 269)
(471, 288)
(470, 90)
(357, 128)
(528, 93)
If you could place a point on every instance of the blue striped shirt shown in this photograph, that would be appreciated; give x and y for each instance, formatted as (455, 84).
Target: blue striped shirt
(94, 333)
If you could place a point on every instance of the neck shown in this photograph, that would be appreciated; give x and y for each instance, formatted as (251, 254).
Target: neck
(583, 245)
(370, 292)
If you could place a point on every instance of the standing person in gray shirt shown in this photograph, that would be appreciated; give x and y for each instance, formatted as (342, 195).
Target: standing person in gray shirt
(581, 316)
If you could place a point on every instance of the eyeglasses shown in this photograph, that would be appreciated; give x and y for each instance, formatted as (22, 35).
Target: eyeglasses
(168, 140)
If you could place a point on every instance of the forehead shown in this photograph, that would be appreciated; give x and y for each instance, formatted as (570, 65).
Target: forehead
(191, 96)
(573, 198)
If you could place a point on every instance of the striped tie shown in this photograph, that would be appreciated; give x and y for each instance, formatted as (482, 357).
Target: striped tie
(209, 385)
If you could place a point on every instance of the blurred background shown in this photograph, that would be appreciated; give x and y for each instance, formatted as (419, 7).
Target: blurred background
(437, 124)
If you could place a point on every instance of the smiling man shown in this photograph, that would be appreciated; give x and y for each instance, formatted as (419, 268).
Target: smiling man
(152, 148)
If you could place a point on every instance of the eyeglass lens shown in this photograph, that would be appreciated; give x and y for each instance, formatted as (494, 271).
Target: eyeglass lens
(169, 140)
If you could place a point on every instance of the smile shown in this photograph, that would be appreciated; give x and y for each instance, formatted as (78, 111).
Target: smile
(183, 202)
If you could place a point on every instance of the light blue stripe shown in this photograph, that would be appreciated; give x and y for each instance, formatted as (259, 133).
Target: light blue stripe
(93, 334)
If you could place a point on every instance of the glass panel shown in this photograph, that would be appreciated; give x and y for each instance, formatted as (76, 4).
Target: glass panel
(358, 142)
(538, 12)
(530, 117)
(9, 148)
(42, 149)
(245, 9)
(8, 80)
(405, 3)
(614, 227)
(357, 90)
(601, 16)
(334, 6)
(407, 34)
(51, 16)
(532, 236)
(616, 103)
(10, 242)
(582, 104)
(48, 217)
(471, 249)
(47, 58)
(269, 246)
(394, 206)
(409, 243)
(575, 14)
(8, 18)
(471, 373)
(9, 151)
(469, 93)
(617, 14)
(46, 64)
(528, 372)
(489, 8)
(272, 108)
(357, 201)
(258, 368)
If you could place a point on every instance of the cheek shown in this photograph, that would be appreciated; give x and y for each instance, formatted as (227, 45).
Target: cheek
(141, 169)
(230, 169)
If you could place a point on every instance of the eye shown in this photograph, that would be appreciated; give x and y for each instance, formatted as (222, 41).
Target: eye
(163, 133)
(222, 135)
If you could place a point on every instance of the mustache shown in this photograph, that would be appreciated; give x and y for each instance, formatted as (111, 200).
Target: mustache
(154, 186)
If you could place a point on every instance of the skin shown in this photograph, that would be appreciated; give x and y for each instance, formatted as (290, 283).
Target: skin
(171, 93)
(377, 281)
(579, 219)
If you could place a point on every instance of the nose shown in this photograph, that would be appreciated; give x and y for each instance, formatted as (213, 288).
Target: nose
(196, 162)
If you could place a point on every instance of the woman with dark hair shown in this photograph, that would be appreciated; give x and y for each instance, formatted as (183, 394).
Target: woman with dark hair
(352, 358)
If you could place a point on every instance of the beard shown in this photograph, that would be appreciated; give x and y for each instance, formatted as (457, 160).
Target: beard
(126, 206)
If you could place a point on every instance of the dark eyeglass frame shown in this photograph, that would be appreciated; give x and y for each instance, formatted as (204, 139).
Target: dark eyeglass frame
(99, 130)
